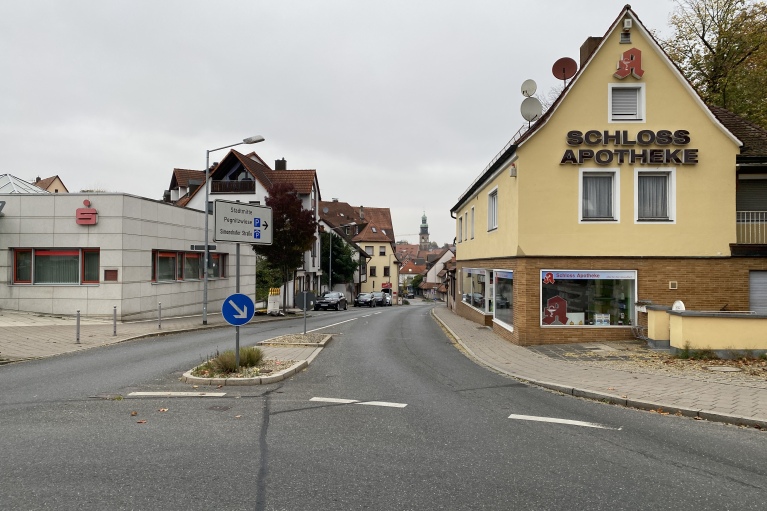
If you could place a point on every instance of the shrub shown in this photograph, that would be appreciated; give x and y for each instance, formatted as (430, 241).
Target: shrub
(225, 363)
(689, 354)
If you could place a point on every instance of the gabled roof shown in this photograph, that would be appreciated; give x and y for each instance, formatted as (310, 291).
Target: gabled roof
(48, 181)
(511, 147)
(341, 213)
(411, 268)
(12, 184)
(302, 180)
(182, 177)
(754, 137)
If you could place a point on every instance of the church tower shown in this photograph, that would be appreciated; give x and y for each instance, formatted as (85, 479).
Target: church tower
(423, 241)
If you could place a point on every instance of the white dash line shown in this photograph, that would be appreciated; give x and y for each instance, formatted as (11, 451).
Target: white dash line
(177, 394)
(334, 400)
(561, 421)
(357, 402)
(383, 403)
(334, 324)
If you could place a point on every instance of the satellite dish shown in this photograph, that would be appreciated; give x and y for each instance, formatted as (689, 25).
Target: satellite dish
(325, 210)
(528, 88)
(564, 68)
(531, 109)
(678, 306)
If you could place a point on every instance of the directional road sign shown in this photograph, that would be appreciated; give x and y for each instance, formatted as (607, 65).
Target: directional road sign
(239, 222)
(238, 309)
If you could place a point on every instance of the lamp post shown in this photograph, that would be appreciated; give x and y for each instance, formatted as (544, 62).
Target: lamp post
(250, 140)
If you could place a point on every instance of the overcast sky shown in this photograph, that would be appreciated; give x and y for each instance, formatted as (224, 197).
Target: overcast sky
(397, 104)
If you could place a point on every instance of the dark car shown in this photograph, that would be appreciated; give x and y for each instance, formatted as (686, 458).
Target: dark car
(364, 300)
(380, 298)
(331, 300)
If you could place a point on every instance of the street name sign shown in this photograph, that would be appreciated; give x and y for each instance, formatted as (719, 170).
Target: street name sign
(238, 309)
(239, 222)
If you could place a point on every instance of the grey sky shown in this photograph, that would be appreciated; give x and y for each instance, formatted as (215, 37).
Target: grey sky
(397, 104)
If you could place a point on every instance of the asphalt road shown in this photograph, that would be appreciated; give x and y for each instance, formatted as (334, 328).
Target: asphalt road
(390, 416)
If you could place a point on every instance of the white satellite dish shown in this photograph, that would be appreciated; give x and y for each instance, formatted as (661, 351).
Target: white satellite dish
(678, 306)
(531, 109)
(528, 88)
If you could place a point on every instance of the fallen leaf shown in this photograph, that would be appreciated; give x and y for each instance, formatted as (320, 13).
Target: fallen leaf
(162, 410)
(133, 414)
(237, 416)
(218, 387)
(195, 386)
(141, 422)
(610, 388)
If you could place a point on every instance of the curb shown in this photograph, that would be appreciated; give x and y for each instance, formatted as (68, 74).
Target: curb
(261, 380)
(613, 399)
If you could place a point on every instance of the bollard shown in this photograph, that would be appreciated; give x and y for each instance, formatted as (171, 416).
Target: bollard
(114, 321)
(78, 326)
(159, 315)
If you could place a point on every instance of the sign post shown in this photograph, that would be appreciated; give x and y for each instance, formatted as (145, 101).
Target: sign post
(237, 222)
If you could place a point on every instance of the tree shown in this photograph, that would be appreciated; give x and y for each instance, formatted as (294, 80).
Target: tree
(416, 282)
(343, 264)
(293, 232)
(721, 47)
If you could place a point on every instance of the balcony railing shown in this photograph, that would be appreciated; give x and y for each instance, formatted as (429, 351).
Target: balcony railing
(247, 186)
(752, 227)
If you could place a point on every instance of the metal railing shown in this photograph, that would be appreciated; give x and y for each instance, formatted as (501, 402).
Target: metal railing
(752, 227)
(248, 186)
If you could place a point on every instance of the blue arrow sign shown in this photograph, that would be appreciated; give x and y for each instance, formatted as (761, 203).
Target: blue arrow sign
(238, 309)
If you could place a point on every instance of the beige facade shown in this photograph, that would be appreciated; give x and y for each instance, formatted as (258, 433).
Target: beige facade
(625, 189)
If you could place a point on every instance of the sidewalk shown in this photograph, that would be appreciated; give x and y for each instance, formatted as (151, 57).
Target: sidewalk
(26, 335)
(733, 402)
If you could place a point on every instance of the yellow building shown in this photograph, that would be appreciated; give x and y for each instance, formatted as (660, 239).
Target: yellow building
(625, 190)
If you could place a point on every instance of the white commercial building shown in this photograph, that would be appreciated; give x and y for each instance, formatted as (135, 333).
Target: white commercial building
(92, 252)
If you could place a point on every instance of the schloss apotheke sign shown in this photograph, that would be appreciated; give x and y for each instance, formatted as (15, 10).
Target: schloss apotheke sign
(628, 152)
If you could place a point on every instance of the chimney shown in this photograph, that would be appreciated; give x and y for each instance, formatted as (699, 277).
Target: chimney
(362, 213)
(335, 199)
(37, 179)
(588, 47)
(280, 164)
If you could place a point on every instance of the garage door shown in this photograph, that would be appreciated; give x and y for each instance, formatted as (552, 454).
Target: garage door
(757, 291)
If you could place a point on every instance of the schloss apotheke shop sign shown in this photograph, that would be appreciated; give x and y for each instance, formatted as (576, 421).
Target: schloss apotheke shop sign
(632, 149)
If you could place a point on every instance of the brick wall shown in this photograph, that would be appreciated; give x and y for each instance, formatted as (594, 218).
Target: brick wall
(703, 284)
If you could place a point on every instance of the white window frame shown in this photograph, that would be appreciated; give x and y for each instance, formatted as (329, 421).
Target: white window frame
(460, 228)
(641, 113)
(472, 222)
(616, 175)
(492, 209)
(670, 173)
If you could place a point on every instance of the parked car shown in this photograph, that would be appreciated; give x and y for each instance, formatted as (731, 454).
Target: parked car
(364, 300)
(331, 300)
(411, 295)
(380, 298)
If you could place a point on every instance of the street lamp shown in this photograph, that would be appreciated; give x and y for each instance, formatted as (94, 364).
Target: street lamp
(250, 140)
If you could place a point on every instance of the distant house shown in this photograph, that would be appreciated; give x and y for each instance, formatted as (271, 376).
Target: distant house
(52, 184)
(371, 229)
(247, 178)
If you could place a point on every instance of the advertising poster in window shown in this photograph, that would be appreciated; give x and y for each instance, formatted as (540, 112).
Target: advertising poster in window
(597, 298)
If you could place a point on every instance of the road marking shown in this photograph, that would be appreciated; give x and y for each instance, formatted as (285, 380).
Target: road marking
(334, 324)
(383, 403)
(561, 421)
(177, 394)
(334, 400)
(357, 402)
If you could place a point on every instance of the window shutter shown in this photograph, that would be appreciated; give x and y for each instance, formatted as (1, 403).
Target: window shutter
(625, 103)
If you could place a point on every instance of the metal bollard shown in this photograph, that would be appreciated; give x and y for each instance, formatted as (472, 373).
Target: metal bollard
(78, 326)
(159, 315)
(114, 321)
